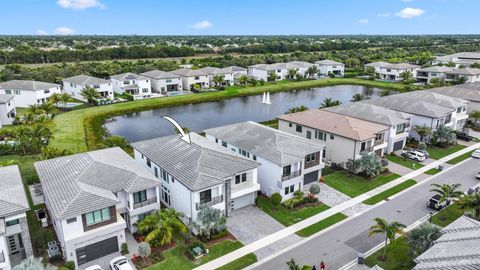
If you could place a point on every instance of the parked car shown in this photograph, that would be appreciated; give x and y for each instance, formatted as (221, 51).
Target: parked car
(94, 267)
(121, 263)
(434, 203)
(476, 153)
(415, 155)
(478, 175)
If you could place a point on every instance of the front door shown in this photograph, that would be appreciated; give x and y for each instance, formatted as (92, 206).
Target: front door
(15, 243)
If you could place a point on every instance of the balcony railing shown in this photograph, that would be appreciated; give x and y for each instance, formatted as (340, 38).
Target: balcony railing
(2, 257)
(145, 203)
(215, 200)
(378, 142)
(291, 175)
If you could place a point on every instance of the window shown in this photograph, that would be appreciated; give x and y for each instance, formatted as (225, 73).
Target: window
(126, 82)
(254, 157)
(224, 144)
(216, 140)
(140, 196)
(156, 171)
(46, 91)
(400, 128)
(17, 92)
(310, 157)
(363, 146)
(448, 119)
(332, 136)
(205, 196)
(287, 170)
(8, 92)
(321, 136)
(379, 136)
(298, 128)
(389, 70)
(149, 163)
(290, 124)
(197, 78)
(71, 220)
(309, 134)
(168, 80)
(97, 216)
(289, 189)
(96, 86)
(144, 90)
(240, 178)
(459, 110)
(12, 222)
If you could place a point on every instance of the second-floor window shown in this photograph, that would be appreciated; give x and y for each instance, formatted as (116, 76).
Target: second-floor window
(400, 128)
(149, 163)
(310, 158)
(97, 216)
(363, 146)
(379, 137)
(287, 170)
(224, 144)
(205, 196)
(140, 196)
(240, 178)
(309, 134)
(12, 222)
(298, 128)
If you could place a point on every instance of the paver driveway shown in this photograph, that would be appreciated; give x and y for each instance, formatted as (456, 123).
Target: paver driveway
(250, 224)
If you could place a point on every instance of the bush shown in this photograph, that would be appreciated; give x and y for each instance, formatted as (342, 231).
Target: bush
(63, 268)
(298, 194)
(219, 235)
(69, 265)
(124, 249)
(276, 199)
(314, 189)
(55, 258)
(8, 149)
(422, 146)
(221, 88)
(144, 249)
(32, 179)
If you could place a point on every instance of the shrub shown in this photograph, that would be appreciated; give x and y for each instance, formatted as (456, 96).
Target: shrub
(314, 189)
(298, 194)
(422, 146)
(221, 88)
(420, 239)
(32, 179)
(69, 265)
(219, 235)
(63, 268)
(124, 249)
(276, 199)
(144, 249)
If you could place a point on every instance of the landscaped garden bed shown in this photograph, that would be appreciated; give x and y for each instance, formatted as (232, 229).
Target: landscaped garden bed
(398, 256)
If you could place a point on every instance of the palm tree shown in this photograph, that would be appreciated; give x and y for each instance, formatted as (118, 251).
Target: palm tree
(300, 108)
(49, 108)
(218, 79)
(358, 97)
(23, 135)
(243, 79)
(312, 71)
(32, 263)
(161, 226)
(389, 229)
(292, 265)
(41, 135)
(34, 109)
(292, 73)
(471, 202)
(65, 98)
(328, 102)
(90, 94)
(447, 192)
(272, 77)
(406, 76)
(52, 152)
(422, 131)
(55, 98)
(475, 115)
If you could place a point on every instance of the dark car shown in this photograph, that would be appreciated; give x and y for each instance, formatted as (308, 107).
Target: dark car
(434, 203)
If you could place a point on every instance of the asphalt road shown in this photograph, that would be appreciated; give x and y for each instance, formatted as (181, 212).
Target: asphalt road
(341, 245)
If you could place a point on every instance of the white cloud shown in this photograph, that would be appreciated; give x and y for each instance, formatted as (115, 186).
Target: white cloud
(63, 31)
(363, 21)
(408, 13)
(80, 4)
(383, 15)
(407, 0)
(202, 25)
(41, 32)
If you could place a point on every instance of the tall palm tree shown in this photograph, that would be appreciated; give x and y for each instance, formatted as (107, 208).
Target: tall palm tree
(312, 71)
(243, 79)
(447, 192)
(218, 80)
(358, 97)
(41, 135)
(471, 202)
(65, 97)
(292, 265)
(34, 109)
(475, 115)
(422, 131)
(55, 98)
(32, 263)
(23, 135)
(161, 226)
(49, 108)
(90, 94)
(389, 229)
(329, 102)
(292, 73)
(272, 77)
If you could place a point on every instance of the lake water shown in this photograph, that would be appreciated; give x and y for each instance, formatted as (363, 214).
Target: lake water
(197, 117)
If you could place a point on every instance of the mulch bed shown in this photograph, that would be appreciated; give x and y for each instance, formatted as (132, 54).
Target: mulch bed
(229, 236)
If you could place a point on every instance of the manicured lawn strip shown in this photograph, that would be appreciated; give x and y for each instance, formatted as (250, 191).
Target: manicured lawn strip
(432, 171)
(448, 215)
(355, 185)
(240, 263)
(398, 256)
(80, 130)
(389, 192)
(321, 225)
(405, 162)
(285, 216)
(460, 158)
(439, 152)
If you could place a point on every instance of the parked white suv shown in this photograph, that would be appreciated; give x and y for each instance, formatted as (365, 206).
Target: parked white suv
(121, 263)
(416, 155)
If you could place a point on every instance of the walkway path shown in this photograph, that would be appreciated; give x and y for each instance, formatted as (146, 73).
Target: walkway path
(402, 170)
(272, 238)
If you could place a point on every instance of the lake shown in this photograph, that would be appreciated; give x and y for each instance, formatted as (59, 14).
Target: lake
(197, 117)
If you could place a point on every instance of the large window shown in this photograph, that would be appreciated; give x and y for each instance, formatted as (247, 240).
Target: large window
(298, 128)
(289, 189)
(309, 134)
(97, 216)
(311, 157)
(400, 128)
(287, 170)
(140, 196)
(12, 222)
(205, 196)
(240, 178)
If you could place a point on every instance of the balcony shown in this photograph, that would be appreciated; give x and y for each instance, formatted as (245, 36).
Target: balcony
(378, 142)
(291, 175)
(215, 200)
(145, 203)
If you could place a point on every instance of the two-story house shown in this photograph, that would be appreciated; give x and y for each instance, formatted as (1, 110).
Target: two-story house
(92, 197)
(344, 137)
(15, 243)
(287, 161)
(225, 73)
(393, 72)
(198, 174)
(76, 84)
(467, 91)
(399, 123)
(302, 67)
(29, 92)
(164, 82)
(136, 85)
(376, 66)
(470, 75)
(425, 75)
(7, 109)
(191, 77)
(327, 67)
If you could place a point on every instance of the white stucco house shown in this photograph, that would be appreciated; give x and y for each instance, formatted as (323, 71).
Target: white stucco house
(376, 66)
(136, 85)
(392, 72)
(163, 82)
(425, 75)
(191, 77)
(29, 92)
(327, 67)
(75, 85)
(262, 71)
(93, 197)
(470, 75)
(467, 91)
(198, 174)
(7, 109)
(461, 59)
(15, 244)
(226, 74)
(287, 161)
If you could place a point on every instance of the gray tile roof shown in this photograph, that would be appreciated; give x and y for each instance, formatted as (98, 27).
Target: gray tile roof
(458, 248)
(27, 85)
(436, 69)
(198, 165)
(81, 183)
(274, 145)
(158, 74)
(85, 80)
(186, 72)
(377, 64)
(275, 66)
(213, 71)
(129, 76)
(464, 71)
(468, 91)
(401, 66)
(234, 69)
(4, 98)
(301, 64)
(371, 113)
(12, 196)
(460, 55)
(328, 62)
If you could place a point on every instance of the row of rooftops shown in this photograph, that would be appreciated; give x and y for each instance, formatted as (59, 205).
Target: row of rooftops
(392, 66)
(294, 64)
(469, 57)
(450, 70)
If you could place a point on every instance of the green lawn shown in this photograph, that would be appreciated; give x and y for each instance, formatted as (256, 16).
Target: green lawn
(460, 158)
(448, 215)
(432, 171)
(356, 185)
(405, 162)
(321, 225)
(389, 192)
(398, 256)
(439, 152)
(285, 216)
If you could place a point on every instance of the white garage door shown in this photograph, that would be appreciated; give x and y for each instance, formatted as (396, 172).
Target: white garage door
(243, 201)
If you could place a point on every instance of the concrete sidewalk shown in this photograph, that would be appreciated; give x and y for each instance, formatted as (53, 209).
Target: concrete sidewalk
(272, 238)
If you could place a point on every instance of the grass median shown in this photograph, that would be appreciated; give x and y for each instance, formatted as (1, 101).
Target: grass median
(321, 225)
(389, 192)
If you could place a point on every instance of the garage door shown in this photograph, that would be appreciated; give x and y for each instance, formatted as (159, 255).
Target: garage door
(243, 201)
(97, 250)
(310, 177)
(398, 145)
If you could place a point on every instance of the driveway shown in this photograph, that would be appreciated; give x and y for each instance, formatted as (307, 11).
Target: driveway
(249, 224)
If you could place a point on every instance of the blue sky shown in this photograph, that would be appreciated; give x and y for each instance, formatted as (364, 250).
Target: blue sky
(251, 17)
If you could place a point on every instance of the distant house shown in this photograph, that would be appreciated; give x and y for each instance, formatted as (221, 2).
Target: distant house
(15, 243)
(191, 77)
(262, 71)
(399, 122)
(327, 67)
(468, 91)
(7, 109)
(461, 59)
(198, 174)
(164, 82)
(301, 67)
(376, 66)
(425, 75)
(75, 85)
(29, 92)
(226, 74)
(344, 137)
(92, 197)
(288, 162)
(470, 75)
(136, 85)
(392, 72)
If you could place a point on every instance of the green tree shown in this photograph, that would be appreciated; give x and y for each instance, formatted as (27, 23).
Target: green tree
(390, 230)
(55, 98)
(300, 108)
(406, 76)
(272, 77)
(369, 164)
(33, 263)
(210, 221)
(41, 135)
(49, 108)
(52, 152)
(116, 141)
(312, 71)
(292, 73)
(460, 80)
(358, 97)
(475, 115)
(243, 79)
(329, 102)
(444, 136)
(144, 250)
(471, 202)
(161, 226)
(447, 192)
(292, 265)
(23, 136)
(276, 199)
(422, 131)
(90, 94)
(218, 80)
(65, 98)
(34, 109)
(421, 238)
